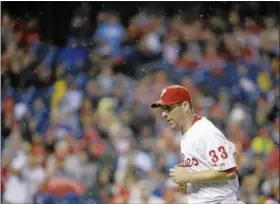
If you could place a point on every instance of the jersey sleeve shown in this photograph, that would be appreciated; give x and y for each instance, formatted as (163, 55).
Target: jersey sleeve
(219, 152)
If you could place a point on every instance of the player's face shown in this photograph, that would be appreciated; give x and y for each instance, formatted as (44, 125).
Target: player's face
(172, 115)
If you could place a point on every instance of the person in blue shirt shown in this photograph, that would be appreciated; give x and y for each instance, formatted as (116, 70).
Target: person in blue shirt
(109, 34)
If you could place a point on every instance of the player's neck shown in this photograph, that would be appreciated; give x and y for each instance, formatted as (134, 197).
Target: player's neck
(187, 123)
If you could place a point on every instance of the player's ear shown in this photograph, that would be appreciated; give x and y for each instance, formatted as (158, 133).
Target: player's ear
(186, 106)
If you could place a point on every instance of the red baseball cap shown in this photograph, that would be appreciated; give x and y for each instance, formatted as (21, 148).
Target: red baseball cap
(173, 95)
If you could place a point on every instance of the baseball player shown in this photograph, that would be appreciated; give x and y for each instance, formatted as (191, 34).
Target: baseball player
(208, 159)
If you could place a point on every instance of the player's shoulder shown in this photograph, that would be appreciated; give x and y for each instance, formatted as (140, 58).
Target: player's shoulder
(206, 127)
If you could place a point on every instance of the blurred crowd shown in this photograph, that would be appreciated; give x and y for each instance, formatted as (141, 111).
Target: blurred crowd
(75, 120)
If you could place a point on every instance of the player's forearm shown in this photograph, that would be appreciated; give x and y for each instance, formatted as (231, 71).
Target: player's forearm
(211, 175)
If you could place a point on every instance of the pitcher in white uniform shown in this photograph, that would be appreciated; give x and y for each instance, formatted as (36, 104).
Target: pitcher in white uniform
(208, 165)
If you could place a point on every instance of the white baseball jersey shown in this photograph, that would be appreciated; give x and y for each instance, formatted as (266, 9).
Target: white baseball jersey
(205, 147)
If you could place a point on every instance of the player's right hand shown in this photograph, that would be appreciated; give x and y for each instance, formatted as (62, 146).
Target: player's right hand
(182, 186)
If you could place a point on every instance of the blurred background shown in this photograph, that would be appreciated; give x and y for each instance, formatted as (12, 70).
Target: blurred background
(77, 79)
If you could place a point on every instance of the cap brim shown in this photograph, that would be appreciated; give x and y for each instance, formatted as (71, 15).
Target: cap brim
(158, 104)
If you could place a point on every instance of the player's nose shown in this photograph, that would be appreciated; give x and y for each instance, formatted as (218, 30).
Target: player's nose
(164, 114)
